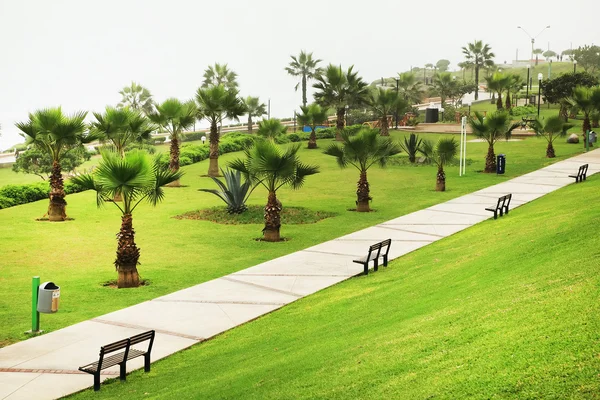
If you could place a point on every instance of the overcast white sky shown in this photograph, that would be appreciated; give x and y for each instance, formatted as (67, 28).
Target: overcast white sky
(79, 54)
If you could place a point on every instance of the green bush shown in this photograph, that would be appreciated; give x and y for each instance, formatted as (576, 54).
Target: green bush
(523, 110)
(188, 137)
(13, 195)
(294, 137)
(325, 133)
(6, 202)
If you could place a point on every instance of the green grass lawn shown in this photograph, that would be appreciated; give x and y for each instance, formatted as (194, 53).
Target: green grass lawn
(78, 255)
(505, 309)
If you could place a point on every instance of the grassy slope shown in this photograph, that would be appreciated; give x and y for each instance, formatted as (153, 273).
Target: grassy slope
(78, 255)
(506, 309)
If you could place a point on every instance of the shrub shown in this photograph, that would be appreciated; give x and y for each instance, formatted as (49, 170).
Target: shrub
(189, 136)
(523, 110)
(294, 137)
(13, 195)
(282, 139)
(232, 191)
(159, 140)
(325, 133)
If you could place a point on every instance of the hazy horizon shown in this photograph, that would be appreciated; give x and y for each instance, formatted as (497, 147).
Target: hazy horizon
(80, 54)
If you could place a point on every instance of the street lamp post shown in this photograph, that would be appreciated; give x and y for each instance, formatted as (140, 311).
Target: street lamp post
(532, 37)
(469, 104)
(397, 91)
(574, 66)
(527, 84)
(540, 77)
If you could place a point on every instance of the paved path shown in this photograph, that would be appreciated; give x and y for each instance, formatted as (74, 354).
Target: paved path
(45, 367)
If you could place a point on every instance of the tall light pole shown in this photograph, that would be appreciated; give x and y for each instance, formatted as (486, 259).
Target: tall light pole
(527, 84)
(532, 38)
(540, 77)
(397, 90)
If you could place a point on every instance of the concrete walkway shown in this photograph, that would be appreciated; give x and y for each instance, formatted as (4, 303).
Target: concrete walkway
(45, 367)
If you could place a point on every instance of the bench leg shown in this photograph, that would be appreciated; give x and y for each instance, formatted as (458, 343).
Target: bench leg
(147, 362)
(501, 211)
(385, 261)
(96, 382)
(506, 211)
(495, 214)
(376, 265)
(122, 371)
(366, 265)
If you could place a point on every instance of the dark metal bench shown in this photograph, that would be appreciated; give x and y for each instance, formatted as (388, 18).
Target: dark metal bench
(581, 174)
(502, 206)
(376, 251)
(121, 358)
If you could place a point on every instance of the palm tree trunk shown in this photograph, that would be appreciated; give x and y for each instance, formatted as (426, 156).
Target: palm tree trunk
(477, 81)
(563, 112)
(312, 139)
(586, 123)
(174, 159)
(440, 184)
(508, 103)
(213, 166)
(362, 193)
(550, 150)
(128, 255)
(249, 124)
(304, 90)
(57, 209)
(272, 218)
(490, 160)
(384, 126)
(499, 104)
(339, 124)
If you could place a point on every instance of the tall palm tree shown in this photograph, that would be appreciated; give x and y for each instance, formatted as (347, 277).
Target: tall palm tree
(441, 153)
(444, 85)
(478, 55)
(122, 127)
(175, 117)
(254, 108)
(339, 89)
(586, 100)
(410, 87)
(56, 134)
(385, 102)
(270, 166)
(138, 177)
(220, 74)
(550, 129)
(215, 103)
(271, 128)
(306, 67)
(312, 115)
(498, 83)
(362, 151)
(492, 128)
(137, 97)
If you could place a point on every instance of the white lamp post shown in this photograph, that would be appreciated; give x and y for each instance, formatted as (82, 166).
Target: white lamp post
(540, 77)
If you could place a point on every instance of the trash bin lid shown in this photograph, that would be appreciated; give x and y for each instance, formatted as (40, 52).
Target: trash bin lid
(49, 286)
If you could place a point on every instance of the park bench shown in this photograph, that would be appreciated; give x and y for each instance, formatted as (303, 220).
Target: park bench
(502, 206)
(525, 121)
(581, 174)
(121, 358)
(376, 251)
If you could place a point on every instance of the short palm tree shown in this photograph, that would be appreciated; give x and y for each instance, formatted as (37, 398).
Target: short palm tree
(270, 166)
(537, 53)
(215, 103)
(410, 87)
(339, 89)
(550, 129)
(122, 127)
(478, 55)
(362, 151)
(271, 128)
(514, 85)
(498, 83)
(385, 102)
(175, 117)
(219, 74)
(254, 108)
(492, 128)
(305, 67)
(137, 97)
(444, 85)
(586, 100)
(441, 153)
(137, 177)
(56, 134)
(312, 115)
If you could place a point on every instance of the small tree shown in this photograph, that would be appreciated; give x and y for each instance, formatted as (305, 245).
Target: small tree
(385, 102)
(37, 162)
(362, 151)
(312, 115)
(444, 85)
(586, 100)
(270, 166)
(442, 65)
(550, 129)
(271, 128)
(498, 83)
(491, 129)
(56, 134)
(137, 97)
(537, 53)
(588, 57)
(122, 127)
(560, 89)
(410, 87)
(254, 108)
(441, 153)
(219, 74)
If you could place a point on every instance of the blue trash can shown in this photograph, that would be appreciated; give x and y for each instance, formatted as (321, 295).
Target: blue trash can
(500, 164)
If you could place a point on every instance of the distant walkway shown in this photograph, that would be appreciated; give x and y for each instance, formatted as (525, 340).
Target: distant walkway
(45, 367)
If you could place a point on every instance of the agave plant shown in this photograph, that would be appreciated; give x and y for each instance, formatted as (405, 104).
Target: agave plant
(411, 146)
(233, 192)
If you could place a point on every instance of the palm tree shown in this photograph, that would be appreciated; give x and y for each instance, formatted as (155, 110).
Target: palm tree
(138, 178)
(548, 54)
(411, 147)
(491, 128)
(215, 103)
(550, 129)
(271, 128)
(122, 127)
(137, 97)
(339, 89)
(410, 87)
(219, 74)
(586, 100)
(267, 164)
(478, 55)
(174, 116)
(515, 84)
(56, 134)
(498, 83)
(465, 66)
(385, 102)
(445, 85)
(442, 153)
(537, 53)
(363, 151)
(306, 67)
(312, 115)
(254, 108)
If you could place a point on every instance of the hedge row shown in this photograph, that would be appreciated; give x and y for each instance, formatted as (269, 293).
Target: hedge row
(13, 195)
